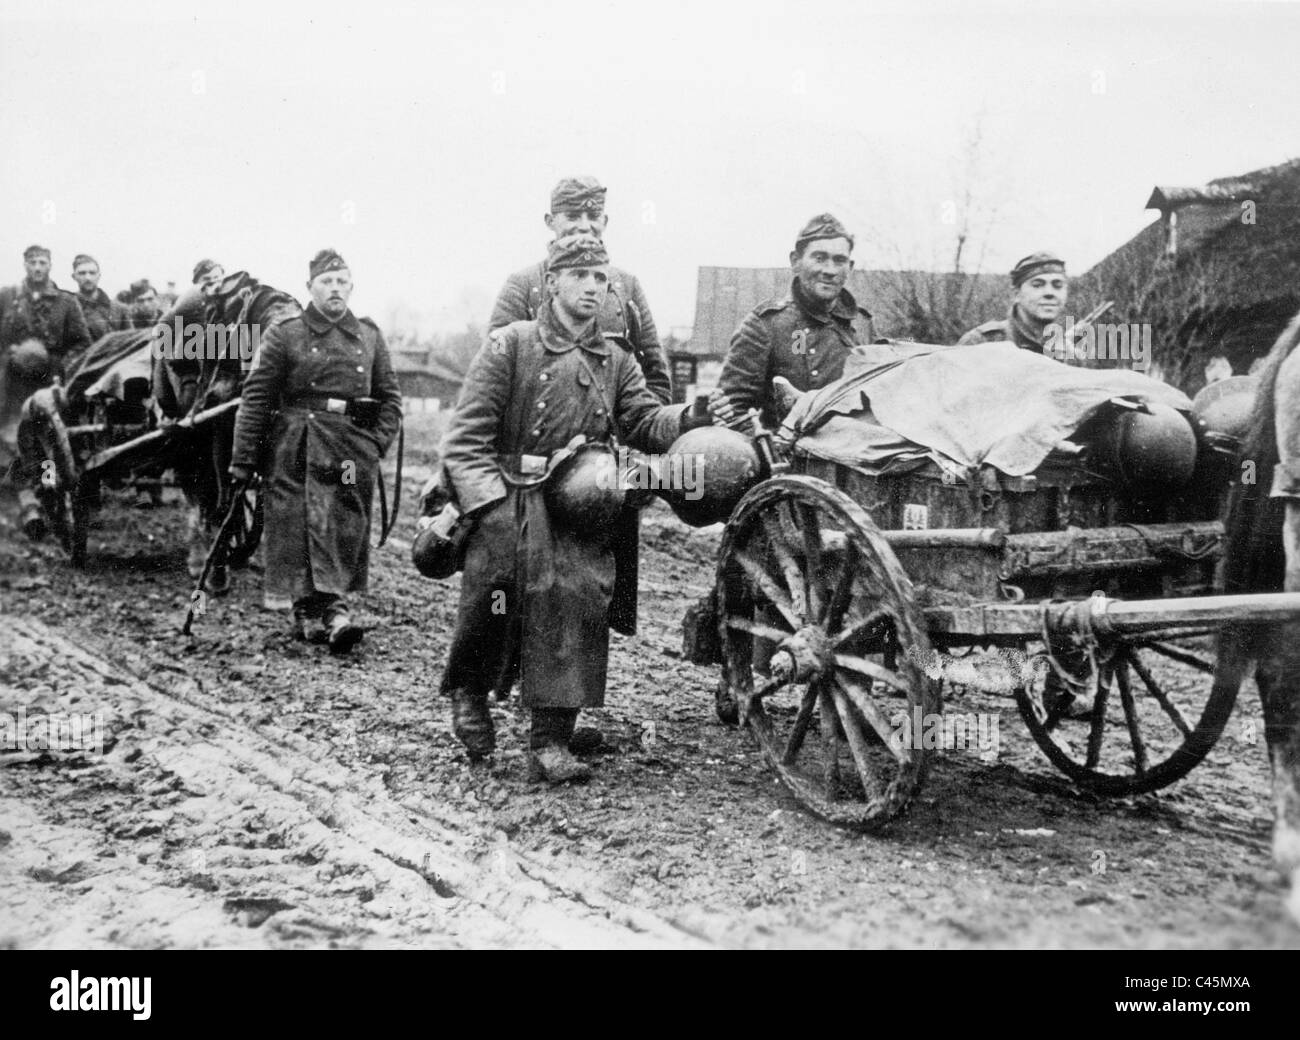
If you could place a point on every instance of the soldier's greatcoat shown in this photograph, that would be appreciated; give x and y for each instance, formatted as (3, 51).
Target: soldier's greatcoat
(535, 595)
(785, 337)
(103, 314)
(625, 315)
(1012, 328)
(319, 468)
(49, 315)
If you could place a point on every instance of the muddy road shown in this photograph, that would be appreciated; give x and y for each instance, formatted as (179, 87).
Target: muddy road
(251, 791)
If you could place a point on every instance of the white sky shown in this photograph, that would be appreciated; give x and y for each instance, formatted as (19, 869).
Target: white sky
(422, 139)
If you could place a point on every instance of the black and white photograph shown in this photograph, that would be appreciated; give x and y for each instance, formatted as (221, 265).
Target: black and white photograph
(681, 476)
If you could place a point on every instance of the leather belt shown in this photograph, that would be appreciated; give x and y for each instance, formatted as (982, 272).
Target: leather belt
(524, 465)
(338, 405)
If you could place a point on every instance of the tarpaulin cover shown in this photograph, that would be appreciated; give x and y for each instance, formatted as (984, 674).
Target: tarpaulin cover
(988, 404)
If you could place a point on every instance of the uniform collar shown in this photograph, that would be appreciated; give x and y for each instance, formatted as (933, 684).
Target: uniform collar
(843, 308)
(98, 297)
(557, 339)
(319, 323)
(50, 289)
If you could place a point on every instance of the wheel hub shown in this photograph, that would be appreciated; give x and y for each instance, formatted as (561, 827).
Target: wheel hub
(803, 657)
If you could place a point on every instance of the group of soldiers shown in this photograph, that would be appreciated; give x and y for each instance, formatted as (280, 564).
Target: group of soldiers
(572, 357)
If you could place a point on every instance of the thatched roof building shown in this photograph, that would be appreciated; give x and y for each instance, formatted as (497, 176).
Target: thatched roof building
(1218, 273)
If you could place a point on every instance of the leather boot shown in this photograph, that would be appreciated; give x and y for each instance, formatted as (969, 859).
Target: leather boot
(549, 757)
(343, 634)
(472, 723)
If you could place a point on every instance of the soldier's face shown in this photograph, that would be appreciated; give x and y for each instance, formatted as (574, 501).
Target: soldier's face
(580, 290)
(1043, 296)
(146, 304)
(211, 280)
(823, 267)
(38, 269)
(577, 222)
(87, 277)
(330, 292)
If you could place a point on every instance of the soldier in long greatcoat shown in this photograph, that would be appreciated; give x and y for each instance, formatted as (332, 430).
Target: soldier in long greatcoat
(319, 410)
(536, 592)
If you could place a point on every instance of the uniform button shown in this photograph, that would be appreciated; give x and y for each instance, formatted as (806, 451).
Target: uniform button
(600, 411)
(814, 371)
(537, 433)
(541, 404)
(812, 350)
(360, 369)
(545, 377)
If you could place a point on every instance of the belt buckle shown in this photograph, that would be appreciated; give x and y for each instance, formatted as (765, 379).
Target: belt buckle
(532, 465)
(337, 405)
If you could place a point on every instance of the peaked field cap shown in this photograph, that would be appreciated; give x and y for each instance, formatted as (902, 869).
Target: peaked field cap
(578, 193)
(824, 225)
(325, 260)
(576, 251)
(1035, 263)
(83, 258)
(33, 251)
(202, 268)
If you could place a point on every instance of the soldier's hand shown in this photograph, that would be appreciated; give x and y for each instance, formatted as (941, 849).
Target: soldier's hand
(721, 408)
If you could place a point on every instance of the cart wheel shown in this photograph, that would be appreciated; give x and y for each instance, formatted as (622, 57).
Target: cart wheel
(59, 487)
(803, 572)
(248, 529)
(1125, 724)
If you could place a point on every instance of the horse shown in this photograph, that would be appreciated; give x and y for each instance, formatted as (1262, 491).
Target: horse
(193, 377)
(1262, 554)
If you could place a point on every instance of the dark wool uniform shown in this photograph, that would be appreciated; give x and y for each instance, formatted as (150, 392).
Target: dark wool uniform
(49, 315)
(625, 315)
(785, 337)
(103, 314)
(530, 390)
(319, 467)
(1012, 328)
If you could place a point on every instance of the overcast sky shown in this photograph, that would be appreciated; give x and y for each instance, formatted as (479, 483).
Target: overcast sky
(422, 139)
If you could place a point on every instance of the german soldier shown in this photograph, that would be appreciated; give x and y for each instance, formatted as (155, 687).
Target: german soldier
(42, 334)
(1039, 289)
(578, 208)
(537, 587)
(207, 275)
(319, 409)
(804, 336)
(103, 314)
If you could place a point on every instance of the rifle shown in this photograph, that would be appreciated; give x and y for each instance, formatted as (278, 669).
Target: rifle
(1081, 327)
(219, 552)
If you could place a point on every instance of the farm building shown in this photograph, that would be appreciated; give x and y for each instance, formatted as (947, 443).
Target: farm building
(1216, 274)
(427, 383)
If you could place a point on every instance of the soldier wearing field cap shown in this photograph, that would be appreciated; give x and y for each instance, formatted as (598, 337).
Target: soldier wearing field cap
(207, 275)
(102, 313)
(1039, 290)
(804, 335)
(578, 208)
(42, 335)
(537, 591)
(319, 410)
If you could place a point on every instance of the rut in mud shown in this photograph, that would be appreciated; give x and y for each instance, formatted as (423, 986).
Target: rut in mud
(253, 791)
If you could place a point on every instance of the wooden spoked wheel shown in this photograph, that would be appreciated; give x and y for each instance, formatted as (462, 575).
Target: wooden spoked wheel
(59, 487)
(808, 591)
(1122, 721)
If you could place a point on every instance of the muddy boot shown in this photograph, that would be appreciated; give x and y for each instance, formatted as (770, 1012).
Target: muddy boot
(472, 723)
(586, 740)
(549, 757)
(343, 634)
(219, 580)
(306, 626)
(33, 523)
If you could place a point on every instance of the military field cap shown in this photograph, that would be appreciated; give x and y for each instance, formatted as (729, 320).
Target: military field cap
(138, 288)
(576, 251)
(578, 193)
(1035, 263)
(202, 268)
(34, 251)
(824, 225)
(325, 260)
(83, 258)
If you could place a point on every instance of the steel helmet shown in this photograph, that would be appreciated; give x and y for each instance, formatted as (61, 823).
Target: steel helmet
(1156, 448)
(706, 473)
(29, 360)
(1225, 407)
(585, 492)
